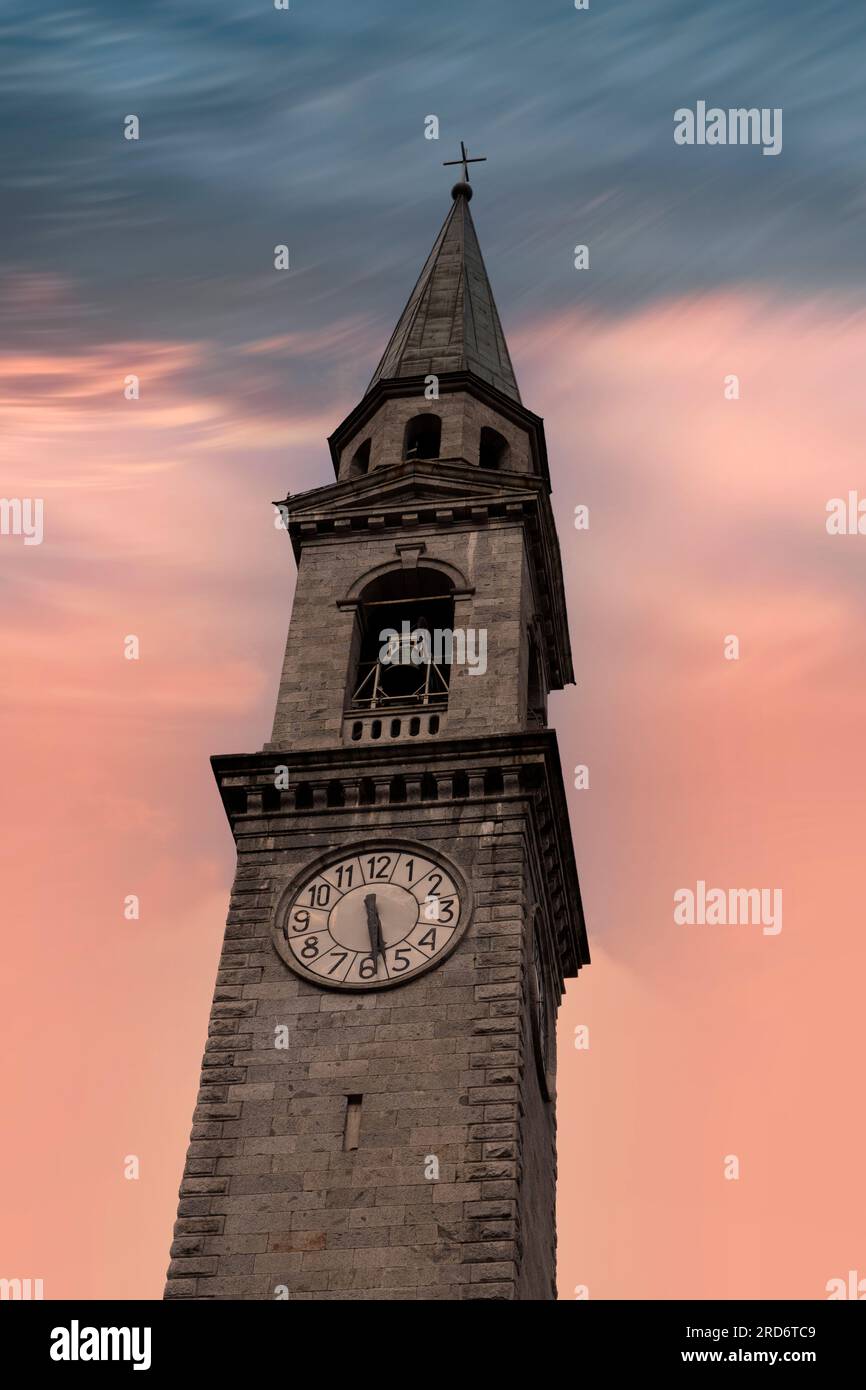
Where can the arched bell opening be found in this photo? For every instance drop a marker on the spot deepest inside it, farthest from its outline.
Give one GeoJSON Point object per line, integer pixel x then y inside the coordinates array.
{"type": "Point", "coordinates": [492, 449]}
{"type": "Point", "coordinates": [423, 437]}
{"type": "Point", "coordinates": [404, 623]}
{"type": "Point", "coordinates": [360, 464]}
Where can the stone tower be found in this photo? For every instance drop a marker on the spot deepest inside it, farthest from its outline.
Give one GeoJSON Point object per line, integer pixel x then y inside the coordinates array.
{"type": "Point", "coordinates": [376, 1117]}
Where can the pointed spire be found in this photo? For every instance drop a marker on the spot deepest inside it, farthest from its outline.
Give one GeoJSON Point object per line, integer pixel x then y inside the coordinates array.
{"type": "Point", "coordinates": [450, 323]}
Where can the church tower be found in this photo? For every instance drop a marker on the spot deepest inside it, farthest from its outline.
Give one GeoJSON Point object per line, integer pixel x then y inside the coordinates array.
{"type": "Point", "coordinates": [376, 1117]}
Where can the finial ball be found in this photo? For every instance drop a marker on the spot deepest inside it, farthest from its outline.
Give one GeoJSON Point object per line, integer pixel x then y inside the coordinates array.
{"type": "Point", "coordinates": [462, 190]}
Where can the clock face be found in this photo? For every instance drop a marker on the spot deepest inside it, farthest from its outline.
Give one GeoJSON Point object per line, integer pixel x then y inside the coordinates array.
{"type": "Point", "coordinates": [372, 917]}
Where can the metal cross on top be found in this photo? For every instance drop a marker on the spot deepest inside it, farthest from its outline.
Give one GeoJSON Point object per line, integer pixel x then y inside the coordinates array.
{"type": "Point", "coordinates": [466, 161]}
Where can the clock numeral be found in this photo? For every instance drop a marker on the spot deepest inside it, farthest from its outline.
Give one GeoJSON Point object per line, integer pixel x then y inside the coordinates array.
{"type": "Point", "coordinates": [429, 939]}
{"type": "Point", "coordinates": [400, 962]}
{"type": "Point", "coordinates": [409, 868]}
{"type": "Point", "coordinates": [378, 867]}
{"type": "Point", "coordinates": [319, 894]}
{"type": "Point", "coordinates": [310, 948]}
{"type": "Point", "coordinates": [300, 919]}
{"type": "Point", "coordinates": [367, 968]}
{"type": "Point", "coordinates": [340, 957]}
{"type": "Point", "coordinates": [345, 874]}
{"type": "Point", "coordinates": [432, 889]}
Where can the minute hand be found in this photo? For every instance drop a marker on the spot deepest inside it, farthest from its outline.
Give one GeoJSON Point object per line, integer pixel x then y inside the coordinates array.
{"type": "Point", "coordinates": [374, 926]}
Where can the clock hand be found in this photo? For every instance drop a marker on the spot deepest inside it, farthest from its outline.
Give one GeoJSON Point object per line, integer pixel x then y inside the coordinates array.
{"type": "Point", "coordinates": [374, 926]}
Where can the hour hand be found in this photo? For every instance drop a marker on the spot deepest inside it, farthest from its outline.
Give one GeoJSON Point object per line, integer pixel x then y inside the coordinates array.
{"type": "Point", "coordinates": [374, 926]}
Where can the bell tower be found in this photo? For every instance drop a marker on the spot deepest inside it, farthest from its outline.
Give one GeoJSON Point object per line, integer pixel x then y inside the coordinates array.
{"type": "Point", "coordinates": [376, 1117]}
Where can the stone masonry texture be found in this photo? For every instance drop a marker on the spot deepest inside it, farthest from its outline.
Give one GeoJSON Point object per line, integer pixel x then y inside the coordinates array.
{"type": "Point", "coordinates": [444, 1066]}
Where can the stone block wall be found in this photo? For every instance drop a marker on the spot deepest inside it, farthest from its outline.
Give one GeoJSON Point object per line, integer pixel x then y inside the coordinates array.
{"type": "Point", "coordinates": [444, 1066]}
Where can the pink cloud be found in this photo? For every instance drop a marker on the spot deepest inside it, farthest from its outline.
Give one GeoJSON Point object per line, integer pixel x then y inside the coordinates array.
{"type": "Point", "coordinates": [706, 518]}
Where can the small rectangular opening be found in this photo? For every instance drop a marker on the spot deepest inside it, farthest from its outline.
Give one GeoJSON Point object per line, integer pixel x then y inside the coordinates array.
{"type": "Point", "coordinates": [352, 1127]}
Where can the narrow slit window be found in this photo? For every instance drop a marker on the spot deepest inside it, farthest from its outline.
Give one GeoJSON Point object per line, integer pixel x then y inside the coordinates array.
{"type": "Point", "coordinates": [352, 1127]}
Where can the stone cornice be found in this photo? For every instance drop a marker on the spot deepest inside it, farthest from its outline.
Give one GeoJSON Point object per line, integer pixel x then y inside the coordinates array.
{"type": "Point", "coordinates": [526, 767]}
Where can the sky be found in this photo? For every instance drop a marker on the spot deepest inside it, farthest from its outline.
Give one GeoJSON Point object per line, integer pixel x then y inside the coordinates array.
{"type": "Point", "coordinates": [155, 257]}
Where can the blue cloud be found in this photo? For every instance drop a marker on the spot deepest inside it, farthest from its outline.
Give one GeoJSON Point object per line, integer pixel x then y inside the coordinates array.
{"type": "Point", "coordinates": [306, 127]}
